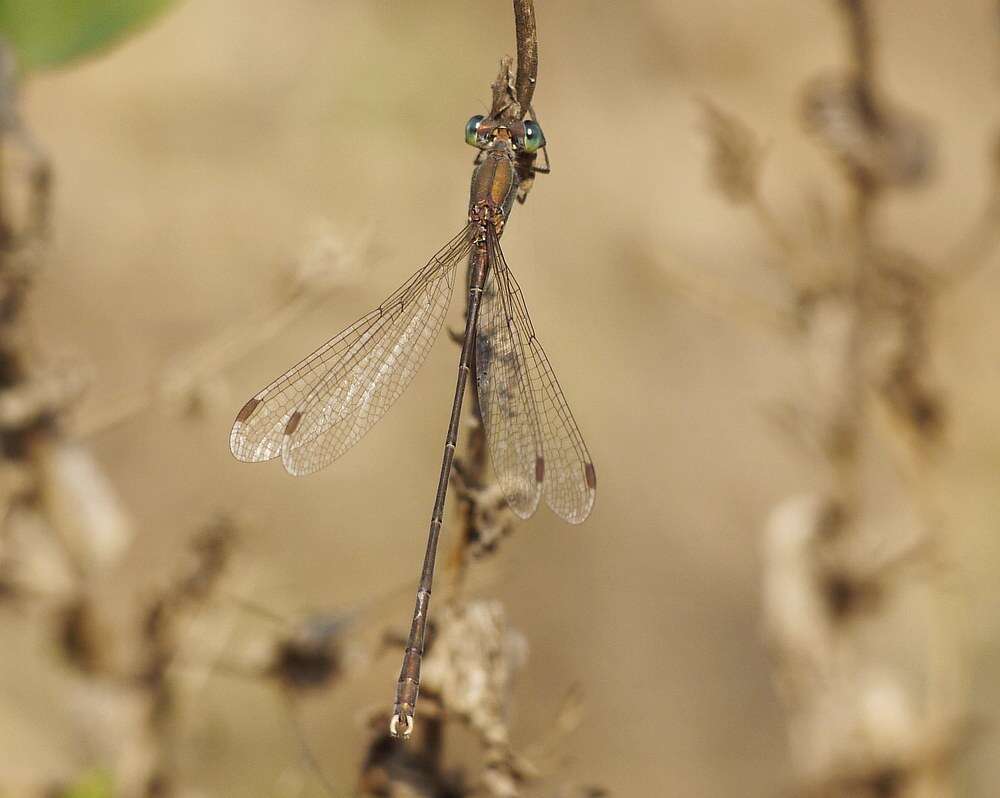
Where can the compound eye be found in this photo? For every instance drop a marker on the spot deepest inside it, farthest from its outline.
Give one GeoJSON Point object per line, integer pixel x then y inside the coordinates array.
{"type": "Point", "coordinates": [534, 139]}
{"type": "Point", "coordinates": [472, 130]}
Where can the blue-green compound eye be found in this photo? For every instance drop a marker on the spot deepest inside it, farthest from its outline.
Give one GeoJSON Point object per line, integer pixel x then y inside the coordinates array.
{"type": "Point", "coordinates": [534, 139]}
{"type": "Point", "coordinates": [472, 129]}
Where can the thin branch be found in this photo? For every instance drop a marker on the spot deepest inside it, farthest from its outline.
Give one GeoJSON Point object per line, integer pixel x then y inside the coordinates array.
{"type": "Point", "coordinates": [181, 382]}
{"type": "Point", "coordinates": [719, 298]}
{"type": "Point", "coordinates": [511, 100]}
{"type": "Point", "coordinates": [527, 53]}
{"type": "Point", "coordinates": [864, 191]}
{"type": "Point", "coordinates": [863, 55]}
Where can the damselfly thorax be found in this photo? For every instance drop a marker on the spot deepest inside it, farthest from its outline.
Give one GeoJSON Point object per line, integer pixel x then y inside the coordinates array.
{"type": "Point", "coordinates": [494, 185]}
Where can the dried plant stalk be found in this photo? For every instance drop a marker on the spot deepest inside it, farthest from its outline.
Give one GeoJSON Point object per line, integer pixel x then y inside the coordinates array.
{"type": "Point", "coordinates": [833, 561]}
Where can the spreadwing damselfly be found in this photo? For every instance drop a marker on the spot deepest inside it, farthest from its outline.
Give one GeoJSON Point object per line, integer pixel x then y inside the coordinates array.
{"type": "Point", "coordinates": [322, 406]}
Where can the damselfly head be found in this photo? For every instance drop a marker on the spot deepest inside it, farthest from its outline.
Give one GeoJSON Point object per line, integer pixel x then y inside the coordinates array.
{"type": "Point", "coordinates": [524, 135]}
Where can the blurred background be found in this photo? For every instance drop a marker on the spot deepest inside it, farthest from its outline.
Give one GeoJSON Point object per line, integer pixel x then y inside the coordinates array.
{"type": "Point", "coordinates": [222, 155]}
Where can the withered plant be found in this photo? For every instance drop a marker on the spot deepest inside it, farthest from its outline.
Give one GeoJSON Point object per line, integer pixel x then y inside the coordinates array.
{"type": "Point", "coordinates": [874, 707]}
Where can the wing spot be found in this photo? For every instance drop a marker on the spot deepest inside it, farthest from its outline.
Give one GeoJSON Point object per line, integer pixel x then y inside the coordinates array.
{"type": "Point", "coordinates": [539, 469]}
{"type": "Point", "coordinates": [591, 476]}
{"type": "Point", "coordinates": [293, 423]}
{"type": "Point", "coordinates": [247, 410]}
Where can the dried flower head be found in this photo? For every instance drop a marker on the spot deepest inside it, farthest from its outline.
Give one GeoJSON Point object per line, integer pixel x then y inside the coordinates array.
{"type": "Point", "coordinates": [884, 146]}
{"type": "Point", "coordinates": [472, 665]}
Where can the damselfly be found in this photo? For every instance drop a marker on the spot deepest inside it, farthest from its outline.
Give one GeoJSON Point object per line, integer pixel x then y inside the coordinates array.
{"type": "Point", "coordinates": [322, 406]}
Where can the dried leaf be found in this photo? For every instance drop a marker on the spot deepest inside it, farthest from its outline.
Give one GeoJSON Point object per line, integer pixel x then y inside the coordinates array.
{"type": "Point", "coordinates": [736, 154]}
{"type": "Point", "coordinates": [83, 506]}
{"type": "Point", "coordinates": [52, 33]}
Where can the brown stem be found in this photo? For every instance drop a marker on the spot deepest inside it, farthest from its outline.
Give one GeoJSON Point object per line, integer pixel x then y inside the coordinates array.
{"type": "Point", "coordinates": [470, 469]}
{"type": "Point", "coordinates": [864, 194]}
{"type": "Point", "coordinates": [863, 55]}
{"type": "Point", "coordinates": [527, 53]}
{"type": "Point", "coordinates": [468, 477]}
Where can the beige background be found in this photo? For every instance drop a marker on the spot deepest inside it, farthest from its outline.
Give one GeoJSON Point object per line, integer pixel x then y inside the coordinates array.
{"type": "Point", "coordinates": [192, 165]}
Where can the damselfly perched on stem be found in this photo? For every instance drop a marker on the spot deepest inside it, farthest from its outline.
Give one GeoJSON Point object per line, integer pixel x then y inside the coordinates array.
{"type": "Point", "coordinates": [322, 406]}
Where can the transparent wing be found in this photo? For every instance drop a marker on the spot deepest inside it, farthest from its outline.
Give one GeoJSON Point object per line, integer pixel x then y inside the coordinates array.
{"type": "Point", "coordinates": [505, 400]}
{"type": "Point", "coordinates": [566, 471]}
{"type": "Point", "coordinates": [348, 401]}
{"type": "Point", "coordinates": [276, 414]}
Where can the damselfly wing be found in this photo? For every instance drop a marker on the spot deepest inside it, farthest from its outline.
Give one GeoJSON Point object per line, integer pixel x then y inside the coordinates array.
{"type": "Point", "coordinates": [320, 407]}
